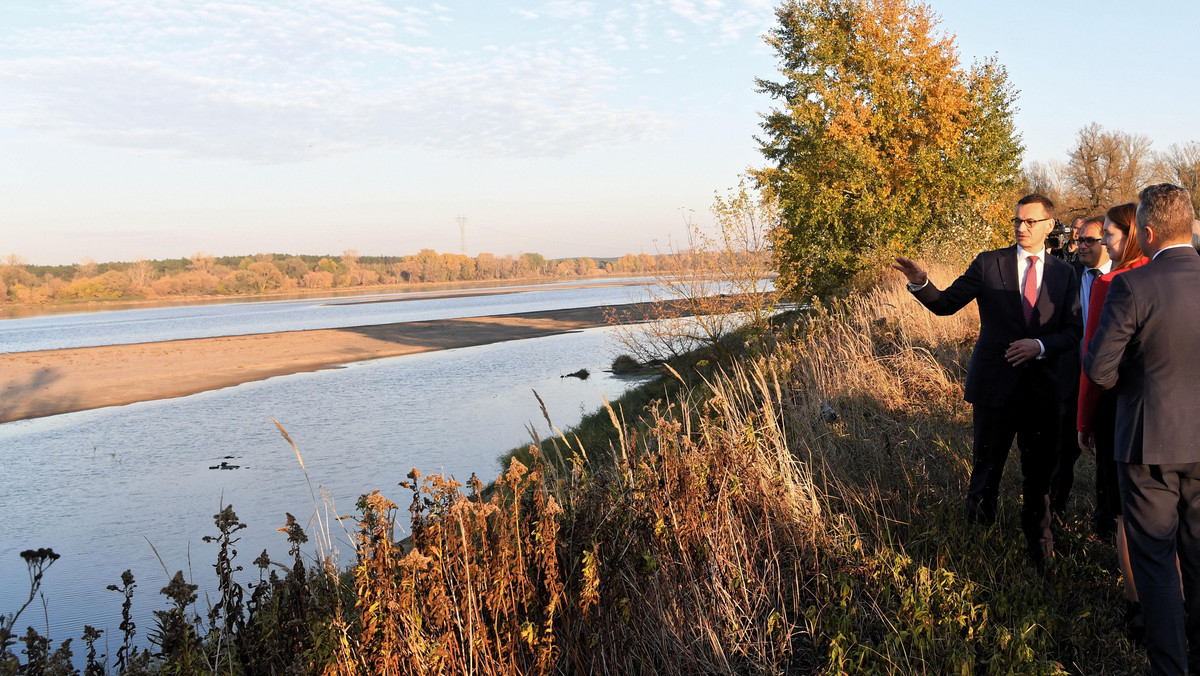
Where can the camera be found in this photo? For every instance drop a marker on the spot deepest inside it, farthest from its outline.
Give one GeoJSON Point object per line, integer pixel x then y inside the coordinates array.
{"type": "Point", "coordinates": [1057, 240]}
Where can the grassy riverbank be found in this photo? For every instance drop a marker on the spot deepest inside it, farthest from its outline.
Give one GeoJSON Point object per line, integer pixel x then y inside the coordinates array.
{"type": "Point", "coordinates": [797, 511]}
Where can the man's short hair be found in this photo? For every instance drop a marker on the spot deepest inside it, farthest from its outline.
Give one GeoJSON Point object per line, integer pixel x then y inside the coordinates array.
{"type": "Point", "coordinates": [1035, 198]}
{"type": "Point", "coordinates": [1168, 209]}
{"type": "Point", "coordinates": [1092, 220]}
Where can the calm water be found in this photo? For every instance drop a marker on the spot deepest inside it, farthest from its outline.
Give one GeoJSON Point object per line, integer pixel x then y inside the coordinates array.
{"type": "Point", "coordinates": [51, 332]}
{"type": "Point", "coordinates": [100, 487]}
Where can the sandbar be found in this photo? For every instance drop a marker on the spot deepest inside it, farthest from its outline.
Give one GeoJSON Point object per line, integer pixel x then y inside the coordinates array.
{"type": "Point", "coordinates": [52, 382]}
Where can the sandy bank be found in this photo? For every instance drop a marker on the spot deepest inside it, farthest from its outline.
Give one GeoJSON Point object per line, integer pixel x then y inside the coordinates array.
{"type": "Point", "coordinates": [36, 384]}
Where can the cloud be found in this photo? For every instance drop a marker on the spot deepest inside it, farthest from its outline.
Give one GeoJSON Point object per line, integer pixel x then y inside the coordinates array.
{"type": "Point", "coordinates": [265, 82]}
{"type": "Point", "coordinates": [688, 10]}
{"type": "Point", "coordinates": [541, 102]}
{"type": "Point", "coordinates": [232, 36]}
{"type": "Point", "coordinates": [569, 10]}
{"type": "Point", "coordinates": [727, 24]}
{"type": "Point", "coordinates": [147, 106]}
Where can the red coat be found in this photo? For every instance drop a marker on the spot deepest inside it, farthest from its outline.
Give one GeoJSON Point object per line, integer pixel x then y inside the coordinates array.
{"type": "Point", "coordinates": [1089, 392]}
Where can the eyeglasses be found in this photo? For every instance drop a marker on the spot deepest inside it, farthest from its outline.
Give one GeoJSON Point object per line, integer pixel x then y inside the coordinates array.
{"type": "Point", "coordinates": [1088, 241]}
{"type": "Point", "coordinates": [1029, 222]}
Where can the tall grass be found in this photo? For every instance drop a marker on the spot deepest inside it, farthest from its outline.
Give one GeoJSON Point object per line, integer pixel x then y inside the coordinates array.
{"type": "Point", "coordinates": [796, 511]}
{"type": "Point", "coordinates": [906, 584]}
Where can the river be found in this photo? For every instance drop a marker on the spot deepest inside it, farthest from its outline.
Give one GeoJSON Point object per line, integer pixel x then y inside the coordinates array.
{"type": "Point", "coordinates": [88, 329]}
{"type": "Point", "coordinates": [120, 487]}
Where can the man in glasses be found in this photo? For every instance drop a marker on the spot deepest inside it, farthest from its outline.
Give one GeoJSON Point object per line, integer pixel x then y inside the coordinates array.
{"type": "Point", "coordinates": [1091, 261]}
{"type": "Point", "coordinates": [1029, 319]}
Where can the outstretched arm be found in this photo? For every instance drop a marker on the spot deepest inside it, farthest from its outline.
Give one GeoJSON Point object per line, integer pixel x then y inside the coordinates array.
{"type": "Point", "coordinates": [942, 302]}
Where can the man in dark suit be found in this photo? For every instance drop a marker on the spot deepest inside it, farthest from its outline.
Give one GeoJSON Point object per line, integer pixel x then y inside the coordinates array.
{"type": "Point", "coordinates": [1029, 318]}
{"type": "Point", "coordinates": [1148, 346]}
{"type": "Point", "coordinates": [1091, 261]}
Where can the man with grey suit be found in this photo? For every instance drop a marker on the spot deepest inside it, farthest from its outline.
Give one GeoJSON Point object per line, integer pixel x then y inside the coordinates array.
{"type": "Point", "coordinates": [1148, 347]}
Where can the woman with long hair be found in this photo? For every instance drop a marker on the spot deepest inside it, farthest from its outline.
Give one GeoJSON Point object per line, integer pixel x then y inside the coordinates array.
{"type": "Point", "coordinates": [1096, 421]}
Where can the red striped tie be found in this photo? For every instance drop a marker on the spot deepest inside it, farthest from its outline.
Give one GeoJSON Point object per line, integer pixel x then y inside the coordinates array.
{"type": "Point", "coordinates": [1029, 289]}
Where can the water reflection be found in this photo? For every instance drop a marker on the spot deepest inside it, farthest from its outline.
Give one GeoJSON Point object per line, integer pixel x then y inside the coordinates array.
{"type": "Point", "coordinates": [100, 486]}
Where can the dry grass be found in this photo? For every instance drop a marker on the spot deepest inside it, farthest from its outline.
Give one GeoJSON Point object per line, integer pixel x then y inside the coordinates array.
{"type": "Point", "coordinates": [741, 529]}
{"type": "Point", "coordinates": [681, 558]}
{"type": "Point", "coordinates": [738, 528]}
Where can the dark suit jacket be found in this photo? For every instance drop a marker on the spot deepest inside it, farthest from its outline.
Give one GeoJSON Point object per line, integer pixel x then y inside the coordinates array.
{"type": "Point", "coordinates": [993, 282]}
{"type": "Point", "coordinates": [1068, 365]}
{"type": "Point", "coordinates": [1148, 341]}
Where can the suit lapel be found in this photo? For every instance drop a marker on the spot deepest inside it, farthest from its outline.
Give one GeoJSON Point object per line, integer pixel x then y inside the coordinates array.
{"type": "Point", "coordinates": [1010, 281]}
{"type": "Point", "coordinates": [1052, 282]}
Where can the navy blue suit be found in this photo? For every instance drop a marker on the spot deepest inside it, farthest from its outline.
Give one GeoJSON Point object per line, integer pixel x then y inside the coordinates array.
{"type": "Point", "coordinates": [1148, 346]}
{"type": "Point", "coordinates": [1015, 401]}
{"type": "Point", "coordinates": [1068, 452]}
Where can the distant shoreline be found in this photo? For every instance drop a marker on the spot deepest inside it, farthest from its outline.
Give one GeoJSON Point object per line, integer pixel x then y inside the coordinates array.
{"type": "Point", "coordinates": [347, 295]}
{"type": "Point", "coordinates": [51, 382]}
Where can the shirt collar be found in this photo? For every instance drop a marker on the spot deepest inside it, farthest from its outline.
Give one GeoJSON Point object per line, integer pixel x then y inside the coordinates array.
{"type": "Point", "coordinates": [1022, 255]}
{"type": "Point", "coordinates": [1103, 269]}
{"type": "Point", "coordinates": [1173, 246]}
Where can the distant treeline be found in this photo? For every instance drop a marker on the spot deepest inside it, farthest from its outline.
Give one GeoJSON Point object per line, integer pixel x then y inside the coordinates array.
{"type": "Point", "coordinates": [205, 275]}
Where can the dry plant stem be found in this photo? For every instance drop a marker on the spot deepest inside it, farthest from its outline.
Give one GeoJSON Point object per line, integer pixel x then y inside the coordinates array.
{"type": "Point", "coordinates": [326, 553]}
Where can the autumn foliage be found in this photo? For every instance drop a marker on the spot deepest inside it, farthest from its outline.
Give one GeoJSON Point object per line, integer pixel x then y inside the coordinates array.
{"type": "Point", "coordinates": [880, 138]}
{"type": "Point", "coordinates": [267, 274]}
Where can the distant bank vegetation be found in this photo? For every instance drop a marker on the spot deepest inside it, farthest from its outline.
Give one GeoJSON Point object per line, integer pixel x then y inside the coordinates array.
{"type": "Point", "coordinates": [205, 275]}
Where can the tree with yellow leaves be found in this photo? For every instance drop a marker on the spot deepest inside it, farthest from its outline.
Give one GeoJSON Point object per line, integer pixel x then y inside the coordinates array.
{"type": "Point", "coordinates": [880, 139]}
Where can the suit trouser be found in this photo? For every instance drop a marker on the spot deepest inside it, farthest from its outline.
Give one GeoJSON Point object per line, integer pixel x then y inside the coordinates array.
{"type": "Point", "coordinates": [1032, 416]}
{"type": "Point", "coordinates": [1161, 505]}
{"type": "Point", "coordinates": [1068, 454]}
{"type": "Point", "coordinates": [1108, 494]}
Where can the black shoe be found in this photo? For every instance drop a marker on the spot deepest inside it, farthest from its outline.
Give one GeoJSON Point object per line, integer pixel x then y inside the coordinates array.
{"type": "Point", "coordinates": [1135, 622]}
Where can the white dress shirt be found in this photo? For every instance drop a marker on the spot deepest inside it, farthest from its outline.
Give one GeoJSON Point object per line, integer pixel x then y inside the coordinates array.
{"type": "Point", "coordinates": [1023, 257]}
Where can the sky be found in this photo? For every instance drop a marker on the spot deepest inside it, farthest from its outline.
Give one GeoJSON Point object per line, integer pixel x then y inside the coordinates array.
{"type": "Point", "coordinates": [162, 128]}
